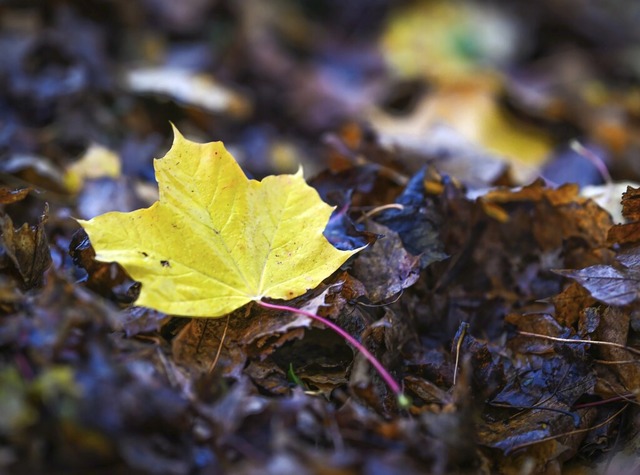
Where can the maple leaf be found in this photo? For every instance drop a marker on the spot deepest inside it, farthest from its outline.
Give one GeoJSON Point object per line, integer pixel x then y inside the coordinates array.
{"type": "Point", "coordinates": [216, 240]}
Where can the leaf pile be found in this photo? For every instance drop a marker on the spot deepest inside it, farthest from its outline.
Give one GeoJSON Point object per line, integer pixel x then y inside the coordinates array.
{"type": "Point", "coordinates": [502, 299]}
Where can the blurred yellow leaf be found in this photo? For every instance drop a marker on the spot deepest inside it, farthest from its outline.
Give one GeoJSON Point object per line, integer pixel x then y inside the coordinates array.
{"type": "Point", "coordinates": [459, 49]}
{"type": "Point", "coordinates": [97, 162]}
{"type": "Point", "coordinates": [216, 240]}
{"type": "Point", "coordinates": [446, 40]}
{"type": "Point", "coordinates": [471, 109]}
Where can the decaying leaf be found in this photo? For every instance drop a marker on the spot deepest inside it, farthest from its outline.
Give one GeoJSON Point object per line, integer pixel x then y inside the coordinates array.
{"type": "Point", "coordinates": [107, 279]}
{"type": "Point", "coordinates": [216, 240]}
{"type": "Point", "coordinates": [617, 284]}
{"type": "Point", "coordinates": [629, 232]}
{"type": "Point", "coordinates": [614, 328]}
{"type": "Point", "coordinates": [387, 253]}
{"type": "Point", "coordinates": [9, 195]}
{"type": "Point", "coordinates": [26, 248]}
{"type": "Point", "coordinates": [417, 223]}
{"type": "Point", "coordinates": [608, 284]}
{"type": "Point", "coordinates": [608, 197]}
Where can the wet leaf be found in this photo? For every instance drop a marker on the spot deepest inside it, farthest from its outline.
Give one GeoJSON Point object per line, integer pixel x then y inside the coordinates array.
{"type": "Point", "coordinates": [608, 284]}
{"type": "Point", "coordinates": [27, 248]}
{"type": "Point", "coordinates": [417, 223]}
{"type": "Point", "coordinates": [374, 266]}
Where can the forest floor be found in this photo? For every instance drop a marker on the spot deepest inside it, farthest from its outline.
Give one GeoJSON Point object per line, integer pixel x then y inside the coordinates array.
{"type": "Point", "coordinates": [485, 152]}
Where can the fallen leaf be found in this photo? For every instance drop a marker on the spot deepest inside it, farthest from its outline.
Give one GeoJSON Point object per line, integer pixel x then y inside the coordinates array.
{"type": "Point", "coordinates": [136, 320]}
{"type": "Point", "coordinates": [27, 248]}
{"type": "Point", "coordinates": [472, 109]}
{"type": "Point", "coordinates": [460, 40]}
{"type": "Point", "coordinates": [629, 232]}
{"type": "Point", "coordinates": [106, 279]}
{"type": "Point", "coordinates": [631, 203]}
{"type": "Point", "coordinates": [570, 304]}
{"type": "Point", "coordinates": [607, 196]}
{"type": "Point", "coordinates": [8, 195]}
{"type": "Point", "coordinates": [387, 268]}
{"type": "Point", "coordinates": [216, 240]}
{"type": "Point", "coordinates": [194, 89]}
{"type": "Point", "coordinates": [97, 162]}
{"type": "Point", "coordinates": [614, 328]}
{"type": "Point", "coordinates": [417, 223]}
{"type": "Point", "coordinates": [36, 170]}
{"type": "Point", "coordinates": [607, 284]}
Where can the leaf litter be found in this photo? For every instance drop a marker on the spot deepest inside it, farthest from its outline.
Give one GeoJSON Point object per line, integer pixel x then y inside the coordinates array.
{"type": "Point", "coordinates": [505, 306]}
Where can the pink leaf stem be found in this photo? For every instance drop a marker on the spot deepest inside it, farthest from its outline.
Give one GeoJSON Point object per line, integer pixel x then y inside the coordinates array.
{"type": "Point", "coordinates": [395, 387]}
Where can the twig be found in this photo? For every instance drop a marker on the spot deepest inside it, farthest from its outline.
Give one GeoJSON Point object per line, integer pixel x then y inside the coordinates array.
{"type": "Point", "coordinates": [620, 362]}
{"type": "Point", "coordinates": [463, 333]}
{"type": "Point", "coordinates": [379, 209]}
{"type": "Point", "coordinates": [213, 364]}
{"type": "Point", "coordinates": [624, 397]}
{"type": "Point", "coordinates": [590, 342]}
{"type": "Point", "coordinates": [384, 304]}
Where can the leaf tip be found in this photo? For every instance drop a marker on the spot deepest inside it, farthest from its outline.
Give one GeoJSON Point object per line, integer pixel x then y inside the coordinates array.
{"type": "Point", "coordinates": [82, 222]}
{"type": "Point", "coordinates": [177, 136]}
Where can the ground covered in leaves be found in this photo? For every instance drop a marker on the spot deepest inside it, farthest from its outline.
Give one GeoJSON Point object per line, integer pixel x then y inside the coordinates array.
{"type": "Point", "coordinates": [500, 283]}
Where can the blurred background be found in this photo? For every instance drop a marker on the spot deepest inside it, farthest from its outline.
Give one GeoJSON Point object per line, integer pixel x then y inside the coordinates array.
{"type": "Point", "coordinates": [489, 91]}
{"type": "Point", "coordinates": [401, 108]}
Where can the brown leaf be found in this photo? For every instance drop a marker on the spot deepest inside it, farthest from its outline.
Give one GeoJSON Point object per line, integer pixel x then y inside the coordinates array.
{"type": "Point", "coordinates": [608, 284]}
{"type": "Point", "coordinates": [529, 429]}
{"type": "Point", "coordinates": [631, 204]}
{"type": "Point", "coordinates": [136, 320]}
{"type": "Point", "coordinates": [251, 333]}
{"type": "Point", "coordinates": [105, 278]}
{"type": "Point", "coordinates": [8, 195]}
{"type": "Point", "coordinates": [624, 233]}
{"type": "Point", "coordinates": [614, 328]}
{"type": "Point", "coordinates": [386, 268]}
{"type": "Point", "coordinates": [196, 345]}
{"type": "Point", "coordinates": [570, 303]}
{"type": "Point", "coordinates": [535, 192]}
{"type": "Point", "coordinates": [628, 233]}
{"type": "Point", "coordinates": [27, 248]}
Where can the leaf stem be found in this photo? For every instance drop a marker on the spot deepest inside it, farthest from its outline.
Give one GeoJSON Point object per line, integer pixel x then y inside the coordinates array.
{"type": "Point", "coordinates": [403, 401]}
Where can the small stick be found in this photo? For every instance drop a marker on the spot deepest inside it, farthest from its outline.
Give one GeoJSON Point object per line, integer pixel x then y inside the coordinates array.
{"type": "Point", "coordinates": [625, 397]}
{"type": "Point", "coordinates": [591, 342]}
{"type": "Point", "coordinates": [379, 209]}
{"type": "Point", "coordinates": [213, 364]}
{"type": "Point", "coordinates": [463, 333]}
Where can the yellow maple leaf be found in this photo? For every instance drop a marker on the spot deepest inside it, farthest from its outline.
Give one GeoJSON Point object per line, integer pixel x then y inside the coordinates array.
{"type": "Point", "coordinates": [216, 240]}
